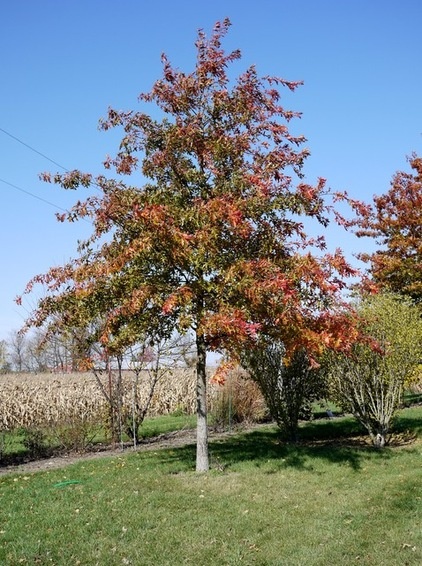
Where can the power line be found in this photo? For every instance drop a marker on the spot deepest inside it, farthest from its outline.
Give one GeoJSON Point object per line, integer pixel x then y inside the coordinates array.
{"type": "Point", "coordinates": [42, 155]}
{"type": "Point", "coordinates": [45, 157]}
{"type": "Point", "coordinates": [56, 206]}
{"type": "Point", "coordinates": [48, 159]}
{"type": "Point", "coordinates": [33, 149]}
{"type": "Point", "coordinates": [32, 195]}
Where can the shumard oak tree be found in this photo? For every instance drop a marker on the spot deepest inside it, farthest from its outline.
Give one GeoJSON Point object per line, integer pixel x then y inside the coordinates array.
{"type": "Point", "coordinates": [213, 242]}
{"type": "Point", "coordinates": [395, 221]}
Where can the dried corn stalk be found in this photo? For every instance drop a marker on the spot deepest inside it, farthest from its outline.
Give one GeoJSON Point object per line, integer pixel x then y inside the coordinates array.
{"type": "Point", "coordinates": [28, 400]}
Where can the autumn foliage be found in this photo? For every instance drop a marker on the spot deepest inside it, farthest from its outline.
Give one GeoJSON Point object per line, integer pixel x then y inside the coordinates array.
{"type": "Point", "coordinates": [370, 382]}
{"type": "Point", "coordinates": [209, 234]}
{"type": "Point", "coordinates": [395, 221]}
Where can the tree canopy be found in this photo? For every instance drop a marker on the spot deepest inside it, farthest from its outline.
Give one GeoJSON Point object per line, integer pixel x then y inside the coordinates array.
{"type": "Point", "coordinates": [213, 240]}
{"type": "Point", "coordinates": [395, 221]}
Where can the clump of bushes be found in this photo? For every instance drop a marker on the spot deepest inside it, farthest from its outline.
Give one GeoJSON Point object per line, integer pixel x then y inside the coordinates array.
{"type": "Point", "coordinates": [238, 400]}
{"type": "Point", "coordinates": [289, 387]}
{"type": "Point", "coordinates": [369, 382]}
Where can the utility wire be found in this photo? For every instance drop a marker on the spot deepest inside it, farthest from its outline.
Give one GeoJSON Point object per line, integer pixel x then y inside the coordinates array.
{"type": "Point", "coordinates": [33, 149]}
{"type": "Point", "coordinates": [32, 195]}
{"type": "Point", "coordinates": [56, 206]}
{"type": "Point", "coordinates": [45, 157]}
{"type": "Point", "coordinates": [48, 159]}
{"type": "Point", "coordinates": [42, 155]}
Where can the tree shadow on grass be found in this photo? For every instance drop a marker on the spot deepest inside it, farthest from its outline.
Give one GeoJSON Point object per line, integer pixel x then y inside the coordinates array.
{"type": "Point", "coordinates": [409, 420]}
{"type": "Point", "coordinates": [262, 448]}
{"type": "Point", "coordinates": [334, 442]}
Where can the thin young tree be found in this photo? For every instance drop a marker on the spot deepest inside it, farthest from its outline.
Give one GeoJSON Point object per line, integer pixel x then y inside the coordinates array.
{"type": "Point", "coordinates": [213, 242]}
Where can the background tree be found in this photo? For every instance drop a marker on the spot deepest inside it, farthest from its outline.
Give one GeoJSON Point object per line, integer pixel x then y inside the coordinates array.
{"type": "Point", "coordinates": [4, 357]}
{"type": "Point", "coordinates": [62, 351]}
{"type": "Point", "coordinates": [395, 221]}
{"type": "Point", "coordinates": [65, 351]}
{"type": "Point", "coordinates": [36, 357]}
{"type": "Point", "coordinates": [214, 241]}
{"type": "Point", "coordinates": [17, 345]}
{"type": "Point", "coordinates": [369, 382]}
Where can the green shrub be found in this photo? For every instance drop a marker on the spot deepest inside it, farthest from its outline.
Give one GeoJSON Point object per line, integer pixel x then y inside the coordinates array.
{"type": "Point", "coordinates": [371, 380]}
{"type": "Point", "coordinates": [36, 442]}
{"type": "Point", "coordinates": [76, 435]}
{"type": "Point", "coordinates": [289, 388]}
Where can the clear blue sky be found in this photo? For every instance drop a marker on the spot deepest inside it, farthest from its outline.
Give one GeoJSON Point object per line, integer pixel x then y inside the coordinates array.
{"type": "Point", "coordinates": [64, 62]}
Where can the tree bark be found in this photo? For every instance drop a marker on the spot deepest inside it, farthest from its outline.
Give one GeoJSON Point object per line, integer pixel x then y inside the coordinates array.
{"type": "Point", "coordinates": [202, 459]}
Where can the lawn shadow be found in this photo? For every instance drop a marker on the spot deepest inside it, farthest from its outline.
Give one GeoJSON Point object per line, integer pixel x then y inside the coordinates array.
{"type": "Point", "coordinates": [334, 442]}
{"type": "Point", "coordinates": [409, 420]}
{"type": "Point", "coordinates": [262, 447]}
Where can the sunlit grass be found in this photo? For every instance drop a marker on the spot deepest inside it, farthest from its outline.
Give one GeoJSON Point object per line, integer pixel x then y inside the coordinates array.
{"type": "Point", "coordinates": [265, 502]}
{"type": "Point", "coordinates": [167, 423]}
{"type": "Point", "coordinates": [14, 450]}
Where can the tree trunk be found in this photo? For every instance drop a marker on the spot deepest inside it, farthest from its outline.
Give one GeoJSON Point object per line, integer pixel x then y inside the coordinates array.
{"type": "Point", "coordinates": [380, 439]}
{"type": "Point", "coordinates": [378, 436]}
{"type": "Point", "coordinates": [202, 461]}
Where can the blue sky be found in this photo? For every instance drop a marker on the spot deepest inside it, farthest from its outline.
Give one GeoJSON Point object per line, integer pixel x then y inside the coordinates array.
{"type": "Point", "coordinates": [63, 62]}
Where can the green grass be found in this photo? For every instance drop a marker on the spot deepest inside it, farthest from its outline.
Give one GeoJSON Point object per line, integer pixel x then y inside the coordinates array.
{"type": "Point", "coordinates": [411, 398]}
{"type": "Point", "coordinates": [13, 449]}
{"type": "Point", "coordinates": [265, 502]}
{"type": "Point", "coordinates": [161, 425]}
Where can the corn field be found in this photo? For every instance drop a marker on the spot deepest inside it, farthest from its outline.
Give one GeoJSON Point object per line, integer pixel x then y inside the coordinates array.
{"type": "Point", "coordinates": [32, 401]}
{"type": "Point", "coordinates": [68, 409]}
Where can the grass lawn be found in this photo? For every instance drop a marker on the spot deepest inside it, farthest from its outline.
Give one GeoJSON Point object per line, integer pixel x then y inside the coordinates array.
{"type": "Point", "coordinates": [265, 502]}
{"type": "Point", "coordinates": [13, 450]}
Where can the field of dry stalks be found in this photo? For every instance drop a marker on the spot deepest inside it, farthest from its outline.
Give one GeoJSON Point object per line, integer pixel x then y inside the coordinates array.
{"type": "Point", "coordinates": [38, 400]}
{"type": "Point", "coordinates": [69, 407]}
